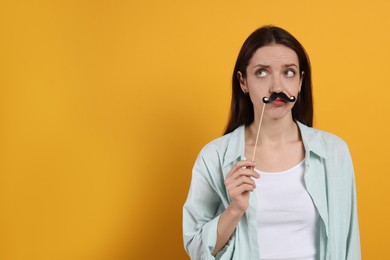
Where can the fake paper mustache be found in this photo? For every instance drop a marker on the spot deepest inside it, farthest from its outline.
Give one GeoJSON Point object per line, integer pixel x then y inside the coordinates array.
{"type": "Point", "coordinates": [280, 95]}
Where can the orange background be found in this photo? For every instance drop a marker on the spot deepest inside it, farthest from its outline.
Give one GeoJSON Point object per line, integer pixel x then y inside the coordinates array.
{"type": "Point", "coordinates": [104, 106]}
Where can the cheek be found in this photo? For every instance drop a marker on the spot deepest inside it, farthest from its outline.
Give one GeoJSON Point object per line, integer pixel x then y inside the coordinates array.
{"type": "Point", "coordinates": [259, 86]}
{"type": "Point", "coordinates": [293, 85]}
{"type": "Point", "coordinates": [257, 98]}
{"type": "Point", "coordinates": [257, 95]}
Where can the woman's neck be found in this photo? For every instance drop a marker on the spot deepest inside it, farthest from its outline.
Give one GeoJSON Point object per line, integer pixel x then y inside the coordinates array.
{"type": "Point", "coordinates": [272, 131]}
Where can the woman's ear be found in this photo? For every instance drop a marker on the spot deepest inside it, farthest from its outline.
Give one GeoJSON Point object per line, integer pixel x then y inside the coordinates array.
{"type": "Point", "coordinates": [242, 81]}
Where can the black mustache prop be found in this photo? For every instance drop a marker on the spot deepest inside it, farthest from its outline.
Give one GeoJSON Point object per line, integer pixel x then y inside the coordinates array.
{"type": "Point", "coordinates": [280, 95]}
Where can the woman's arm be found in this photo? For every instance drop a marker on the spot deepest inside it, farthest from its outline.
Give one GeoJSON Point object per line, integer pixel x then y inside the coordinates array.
{"type": "Point", "coordinates": [238, 185]}
{"type": "Point", "coordinates": [206, 226]}
{"type": "Point", "coordinates": [353, 242]}
{"type": "Point", "coordinates": [226, 225]}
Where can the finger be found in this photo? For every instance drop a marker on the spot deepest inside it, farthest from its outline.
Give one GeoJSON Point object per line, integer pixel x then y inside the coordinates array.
{"type": "Point", "coordinates": [243, 180]}
{"type": "Point", "coordinates": [240, 190]}
{"type": "Point", "coordinates": [236, 179]}
{"type": "Point", "coordinates": [239, 165]}
{"type": "Point", "coordinates": [241, 172]}
{"type": "Point", "coordinates": [245, 172]}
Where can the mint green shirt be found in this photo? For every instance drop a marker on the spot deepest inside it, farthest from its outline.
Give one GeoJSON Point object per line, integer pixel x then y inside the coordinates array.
{"type": "Point", "coordinates": [329, 179]}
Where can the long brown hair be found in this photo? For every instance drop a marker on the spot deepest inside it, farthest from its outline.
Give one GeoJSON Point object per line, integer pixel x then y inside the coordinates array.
{"type": "Point", "coordinates": [241, 108]}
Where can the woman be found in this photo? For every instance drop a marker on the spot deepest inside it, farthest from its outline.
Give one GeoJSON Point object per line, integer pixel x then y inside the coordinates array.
{"type": "Point", "coordinates": [292, 195]}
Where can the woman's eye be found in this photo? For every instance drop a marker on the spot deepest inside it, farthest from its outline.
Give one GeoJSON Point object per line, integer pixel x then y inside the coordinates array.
{"type": "Point", "coordinates": [290, 73]}
{"type": "Point", "coordinates": [261, 73]}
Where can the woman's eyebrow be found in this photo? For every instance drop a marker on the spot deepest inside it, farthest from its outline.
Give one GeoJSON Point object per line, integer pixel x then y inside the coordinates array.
{"type": "Point", "coordinates": [268, 66]}
{"type": "Point", "coordinates": [291, 65]}
{"type": "Point", "coordinates": [261, 66]}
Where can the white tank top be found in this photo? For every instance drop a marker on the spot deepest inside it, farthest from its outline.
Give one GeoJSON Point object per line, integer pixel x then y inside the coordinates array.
{"type": "Point", "coordinates": [287, 218]}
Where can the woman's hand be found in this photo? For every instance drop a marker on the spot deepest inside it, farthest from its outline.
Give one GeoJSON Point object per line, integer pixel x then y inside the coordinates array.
{"type": "Point", "coordinates": [239, 184]}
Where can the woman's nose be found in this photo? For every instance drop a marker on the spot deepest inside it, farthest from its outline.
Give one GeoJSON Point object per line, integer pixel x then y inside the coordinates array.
{"type": "Point", "coordinates": [276, 84]}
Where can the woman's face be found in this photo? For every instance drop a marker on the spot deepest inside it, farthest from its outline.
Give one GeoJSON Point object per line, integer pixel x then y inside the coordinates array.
{"type": "Point", "coordinates": [273, 68]}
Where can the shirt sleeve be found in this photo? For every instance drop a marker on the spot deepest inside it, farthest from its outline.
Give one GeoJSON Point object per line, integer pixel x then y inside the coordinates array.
{"type": "Point", "coordinates": [201, 213]}
{"type": "Point", "coordinates": [353, 241]}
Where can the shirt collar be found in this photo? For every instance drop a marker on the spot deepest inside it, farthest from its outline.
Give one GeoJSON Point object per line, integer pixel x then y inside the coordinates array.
{"type": "Point", "coordinates": [236, 146]}
{"type": "Point", "coordinates": [311, 138]}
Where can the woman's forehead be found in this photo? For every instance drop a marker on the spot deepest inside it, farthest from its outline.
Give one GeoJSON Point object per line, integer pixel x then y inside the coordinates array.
{"type": "Point", "coordinates": [274, 54]}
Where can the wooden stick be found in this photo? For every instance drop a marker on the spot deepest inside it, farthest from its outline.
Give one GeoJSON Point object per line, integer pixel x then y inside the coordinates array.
{"type": "Point", "coordinates": [258, 132]}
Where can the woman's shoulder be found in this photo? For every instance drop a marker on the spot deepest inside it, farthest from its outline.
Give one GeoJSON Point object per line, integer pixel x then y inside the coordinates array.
{"type": "Point", "coordinates": [323, 140]}
{"type": "Point", "coordinates": [330, 137]}
{"type": "Point", "coordinates": [325, 136]}
{"type": "Point", "coordinates": [220, 144]}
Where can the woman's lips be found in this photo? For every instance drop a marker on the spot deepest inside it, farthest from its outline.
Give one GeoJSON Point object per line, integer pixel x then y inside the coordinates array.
{"type": "Point", "coordinates": [278, 102]}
